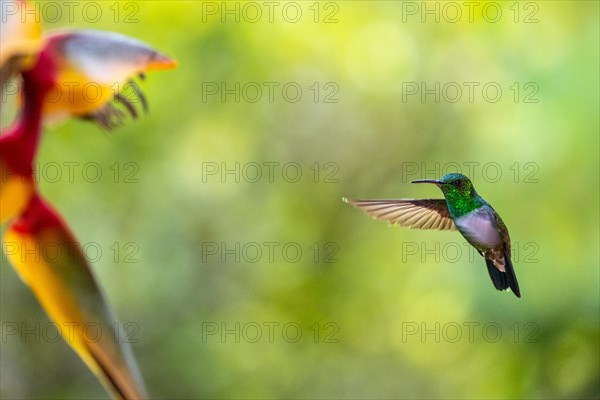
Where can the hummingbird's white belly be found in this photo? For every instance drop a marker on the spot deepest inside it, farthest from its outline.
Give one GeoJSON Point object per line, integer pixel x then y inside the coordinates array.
{"type": "Point", "coordinates": [479, 228]}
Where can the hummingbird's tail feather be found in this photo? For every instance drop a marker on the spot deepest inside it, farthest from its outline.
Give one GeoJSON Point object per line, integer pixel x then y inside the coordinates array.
{"type": "Point", "coordinates": [511, 278]}
{"type": "Point", "coordinates": [503, 280]}
{"type": "Point", "coordinates": [498, 277]}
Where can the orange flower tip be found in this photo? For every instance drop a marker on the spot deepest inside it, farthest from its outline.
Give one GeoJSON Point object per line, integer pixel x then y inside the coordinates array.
{"type": "Point", "coordinates": [161, 62]}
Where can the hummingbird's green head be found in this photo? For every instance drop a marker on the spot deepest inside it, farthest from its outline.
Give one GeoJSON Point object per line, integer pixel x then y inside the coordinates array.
{"type": "Point", "coordinates": [455, 184]}
{"type": "Point", "coordinates": [459, 192]}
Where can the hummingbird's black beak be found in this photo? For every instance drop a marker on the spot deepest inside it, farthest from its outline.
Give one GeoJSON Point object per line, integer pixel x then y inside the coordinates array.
{"type": "Point", "coordinates": [437, 183]}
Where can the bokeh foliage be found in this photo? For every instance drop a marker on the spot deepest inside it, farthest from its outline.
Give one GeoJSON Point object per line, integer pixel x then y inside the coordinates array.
{"type": "Point", "coordinates": [371, 135]}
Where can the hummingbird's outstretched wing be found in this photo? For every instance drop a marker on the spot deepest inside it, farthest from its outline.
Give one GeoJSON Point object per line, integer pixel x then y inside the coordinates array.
{"type": "Point", "coordinates": [50, 261]}
{"type": "Point", "coordinates": [419, 214]}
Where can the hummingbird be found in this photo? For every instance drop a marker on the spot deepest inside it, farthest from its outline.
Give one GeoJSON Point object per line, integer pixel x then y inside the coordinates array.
{"type": "Point", "coordinates": [463, 210]}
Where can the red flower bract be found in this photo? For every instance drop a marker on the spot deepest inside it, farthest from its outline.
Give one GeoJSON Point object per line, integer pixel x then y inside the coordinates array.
{"type": "Point", "coordinates": [66, 62]}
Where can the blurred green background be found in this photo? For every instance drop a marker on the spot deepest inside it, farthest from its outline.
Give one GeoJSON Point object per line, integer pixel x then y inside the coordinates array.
{"type": "Point", "coordinates": [381, 316]}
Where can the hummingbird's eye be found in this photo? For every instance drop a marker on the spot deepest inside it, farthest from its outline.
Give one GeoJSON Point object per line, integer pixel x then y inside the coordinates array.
{"type": "Point", "coordinates": [457, 183]}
